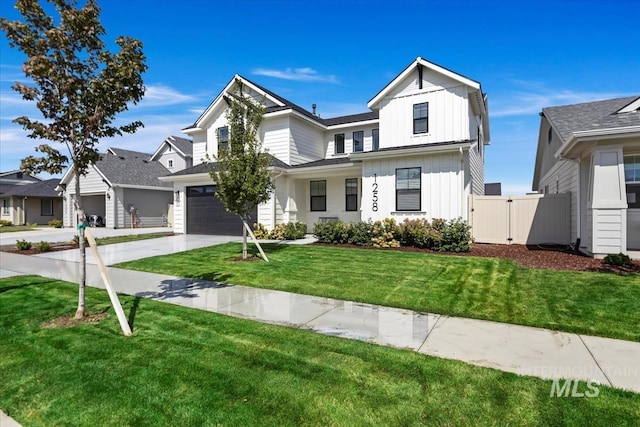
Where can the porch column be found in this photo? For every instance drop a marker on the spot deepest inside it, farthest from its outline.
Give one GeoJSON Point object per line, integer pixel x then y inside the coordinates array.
{"type": "Point", "coordinates": [607, 205]}
{"type": "Point", "coordinates": [290, 209]}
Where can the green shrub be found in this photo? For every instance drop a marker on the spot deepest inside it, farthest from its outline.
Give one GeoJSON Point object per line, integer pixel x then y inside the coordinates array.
{"type": "Point", "coordinates": [55, 223]}
{"type": "Point", "coordinates": [361, 233]}
{"type": "Point", "coordinates": [23, 245]}
{"type": "Point", "coordinates": [260, 231]}
{"type": "Point", "coordinates": [76, 240]}
{"type": "Point", "coordinates": [455, 235]}
{"type": "Point", "coordinates": [385, 234]}
{"type": "Point", "coordinates": [288, 231]}
{"type": "Point", "coordinates": [5, 223]}
{"type": "Point", "coordinates": [43, 246]}
{"type": "Point", "coordinates": [336, 232]}
{"type": "Point", "coordinates": [620, 259]}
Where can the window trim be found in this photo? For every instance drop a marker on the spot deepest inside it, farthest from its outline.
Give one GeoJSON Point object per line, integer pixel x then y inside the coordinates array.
{"type": "Point", "coordinates": [352, 196]}
{"type": "Point", "coordinates": [222, 143]}
{"type": "Point", "coordinates": [169, 163]}
{"type": "Point", "coordinates": [322, 197]}
{"type": "Point", "coordinates": [419, 119]}
{"type": "Point", "coordinates": [416, 190]}
{"type": "Point", "coordinates": [360, 133]}
{"type": "Point", "coordinates": [337, 144]}
{"type": "Point", "coordinates": [375, 142]}
{"type": "Point", "coordinates": [48, 212]}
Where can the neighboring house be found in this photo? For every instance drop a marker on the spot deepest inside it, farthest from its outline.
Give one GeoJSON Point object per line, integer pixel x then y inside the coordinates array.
{"type": "Point", "coordinates": [592, 151]}
{"type": "Point", "coordinates": [123, 188]}
{"type": "Point", "coordinates": [418, 153]}
{"type": "Point", "coordinates": [12, 178]}
{"type": "Point", "coordinates": [36, 202]}
{"type": "Point", "coordinates": [493, 189]}
{"type": "Point", "coordinates": [175, 154]}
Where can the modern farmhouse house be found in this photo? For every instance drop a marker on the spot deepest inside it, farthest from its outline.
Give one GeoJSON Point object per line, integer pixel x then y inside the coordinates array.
{"type": "Point", "coordinates": [592, 151]}
{"type": "Point", "coordinates": [418, 153]}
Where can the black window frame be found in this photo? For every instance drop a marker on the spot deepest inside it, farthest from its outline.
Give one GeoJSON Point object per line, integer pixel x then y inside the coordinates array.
{"type": "Point", "coordinates": [338, 144]}
{"type": "Point", "coordinates": [351, 194]}
{"type": "Point", "coordinates": [318, 194]}
{"type": "Point", "coordinates": [360, 134]}
{"type": "Point", "coordinates": [417, 120]}
{"type": "Point", "coordinates": [49, 212]}
{"type": "Point", "coordinates": [632, 184]}
{"type": "Point", "coordinates": [408, 191]}
{"type": "Point", "coordinates": [375, 139]}
{"type": "Point", "coordinates": [222, 143]}
{"type": "Point", "coordinates": [169, 163]}
{"type": "Point", "coordinates": [549, 135]}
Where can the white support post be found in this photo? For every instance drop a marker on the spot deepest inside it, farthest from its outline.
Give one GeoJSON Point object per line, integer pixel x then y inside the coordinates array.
{"type": "Point", "coordinates": [126, 329]}
{"type": "Point", "coordinates": [253, 237]}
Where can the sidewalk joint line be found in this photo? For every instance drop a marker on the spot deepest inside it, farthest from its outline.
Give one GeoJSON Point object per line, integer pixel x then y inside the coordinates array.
{"type": "Point", "coordinates": [595, 360]}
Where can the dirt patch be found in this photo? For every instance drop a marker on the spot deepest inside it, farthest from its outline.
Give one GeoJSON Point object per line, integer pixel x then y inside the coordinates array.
{"type": "Point", "coordinates": [54, 248]}
{"type": "Point", "coordinates": [546, 257]}
{"type": "Point", "coordinates": [69, 321]}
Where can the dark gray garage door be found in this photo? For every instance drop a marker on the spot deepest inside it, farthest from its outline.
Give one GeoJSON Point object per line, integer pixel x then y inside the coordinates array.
{"type": "Point", "coordinates": [206, 214]}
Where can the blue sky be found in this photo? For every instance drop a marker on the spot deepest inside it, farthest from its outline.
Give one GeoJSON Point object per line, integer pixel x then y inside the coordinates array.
{"type": "Point", "coordinates": [339, 54]}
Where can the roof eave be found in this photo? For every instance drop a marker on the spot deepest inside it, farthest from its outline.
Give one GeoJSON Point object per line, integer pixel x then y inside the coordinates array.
{"type": "Point", "coordinates": [568, 147]}
{"type": "Point", "coordinates": [455, 146]}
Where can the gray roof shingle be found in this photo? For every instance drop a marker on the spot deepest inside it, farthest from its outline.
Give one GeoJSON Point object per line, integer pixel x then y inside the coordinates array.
{"type": "Point", "coordinates": [567, 119]}
{"type": "Point", "coordinates": [133, 168]}
{"type": "Point", "coordinates": [205, 168]}
{"type": "Point", "coordinates": [37, 189]}
{"type": "Point", "coordinates": [182, 144]}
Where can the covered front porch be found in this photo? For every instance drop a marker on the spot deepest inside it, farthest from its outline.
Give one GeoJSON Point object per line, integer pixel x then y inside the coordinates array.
{"type": "Point", "coordinates": [314, 194]}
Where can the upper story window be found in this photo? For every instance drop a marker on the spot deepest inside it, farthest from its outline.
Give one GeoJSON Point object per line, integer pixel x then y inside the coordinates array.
{"type": "Point", "coordinates": [223, 137]}
{"type": "Point", "coordinates": [421, 118]}
{"type": "Point", "coordinates": [549, 135]}
{"type": "Point", "coordinates": [375, 139]}
{"type": "Point", "coordinates": [358, 141]}
{"type": "Point", "coordinates": [338, 140]}
{"type": "Point", "coordinates": [408, 188]}
{"type": "Point", "coordinates": [318, 196]}
{"type": "Point", "coordinates": [170, 163]}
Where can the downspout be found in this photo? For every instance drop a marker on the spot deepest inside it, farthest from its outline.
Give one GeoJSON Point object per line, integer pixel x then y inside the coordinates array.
{"type": "Point", "coordinates": [462, 193]}
{"type": "Point", "coordinates": [24, 212]}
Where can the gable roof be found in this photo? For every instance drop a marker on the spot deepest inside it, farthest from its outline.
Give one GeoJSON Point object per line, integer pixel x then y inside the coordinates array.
{"type": "Point", "coordinates": [37, 189]}
{"type": "Point", "coordinates": [205, 167]}
{"type": "Point", "coordinates": [131, 168]}
{"type": "Point", "coordinates": [127, 168]}
{"type": "Point", "coordinates": [419, 62]}
{"type": "Point", "coordinates": [567, 119]}
{"type": "Point", "coordinates": [183, 146]}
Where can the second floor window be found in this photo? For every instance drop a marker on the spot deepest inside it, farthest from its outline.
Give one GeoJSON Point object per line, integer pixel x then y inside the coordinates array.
{"type": "Point", "coordinates": [169, 163]}
{"type": "Point", "coordinates": [223, 137]}
{"type": "Point", "coordinates": [375, 137]}
{"type": "Point", "coordinates": [421, 118]}
{"type": "Point", "coordinates": [358, 141]}
{"type": "Point", "coordinates": [318, 196]}
{"type": "Point", "coordinates": [338, 140]}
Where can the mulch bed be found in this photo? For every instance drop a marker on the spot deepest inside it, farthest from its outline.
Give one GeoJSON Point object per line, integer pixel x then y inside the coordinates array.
{"type": "Point", "coordinates": [70, 321]}
{"type": "Point", "coordinates": [546, 257]}
{"type": "Point", "coordinates": [54, 248]}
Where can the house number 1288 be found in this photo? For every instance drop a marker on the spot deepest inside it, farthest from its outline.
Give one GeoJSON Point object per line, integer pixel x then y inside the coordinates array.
{"type": "Point", "coordinates": [374, 197]}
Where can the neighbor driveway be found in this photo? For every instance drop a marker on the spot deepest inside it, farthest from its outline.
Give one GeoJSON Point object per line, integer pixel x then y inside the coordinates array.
{"type": "Point", "coordinates": [50, 234]}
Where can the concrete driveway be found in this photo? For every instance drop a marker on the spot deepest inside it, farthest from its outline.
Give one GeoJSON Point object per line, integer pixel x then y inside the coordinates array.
{"type": "Point", "coordinates": [50, 234]}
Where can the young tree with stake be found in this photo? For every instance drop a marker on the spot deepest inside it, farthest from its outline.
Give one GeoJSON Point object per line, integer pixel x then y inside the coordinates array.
{"type": "Point", "coordinates": [78, 86]}
{"type": "Point", "coordinates": [241, 169]}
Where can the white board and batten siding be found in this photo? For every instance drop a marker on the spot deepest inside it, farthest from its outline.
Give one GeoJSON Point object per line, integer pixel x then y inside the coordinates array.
{"type": "Point", "coordinates": [448, 111]}
{"type": "Point", "coordinates": [526, 220]}
{"type": "Point", "coordinates": [276, 137]}
{"type": "Point", "coordinates": [306, 142]}
{"type": "Point", "coordinates": [442, 187]}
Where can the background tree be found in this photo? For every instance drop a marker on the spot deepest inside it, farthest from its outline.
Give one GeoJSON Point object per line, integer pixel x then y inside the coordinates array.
{"type": "Point", "coordinates": [240, 172]}
{"type": "Point", "coordinates": [78, 86]}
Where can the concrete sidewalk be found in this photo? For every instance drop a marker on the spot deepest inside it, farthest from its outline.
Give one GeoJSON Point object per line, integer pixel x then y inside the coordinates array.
{"type": "Point", "coordinates": [518, 349]}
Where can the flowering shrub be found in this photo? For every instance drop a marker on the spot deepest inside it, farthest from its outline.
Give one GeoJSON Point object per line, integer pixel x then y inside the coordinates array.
{"type": "Point", "coordinates": [288, 231]}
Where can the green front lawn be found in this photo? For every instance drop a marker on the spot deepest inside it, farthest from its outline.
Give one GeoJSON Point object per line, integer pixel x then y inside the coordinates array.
{"type": "Point", "coordinates": [599, 304]}
{"type": "Point", "coordinates": [15, 228]}
{"type": "Point", "coordinates": [185, 367]}
{"type": "Point", "coordinates": [102, 241]}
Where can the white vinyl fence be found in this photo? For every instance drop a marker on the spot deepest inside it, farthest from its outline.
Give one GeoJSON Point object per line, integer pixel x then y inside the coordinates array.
{"type": "Point", "coordinates": [527, 220]}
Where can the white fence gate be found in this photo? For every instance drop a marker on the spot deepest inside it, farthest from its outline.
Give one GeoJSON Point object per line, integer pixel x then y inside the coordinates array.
{"type": "Point", "coordinates": [527, 220]}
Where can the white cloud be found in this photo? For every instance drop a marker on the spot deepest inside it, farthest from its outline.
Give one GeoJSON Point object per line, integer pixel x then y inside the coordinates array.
{"type": "Point", "coordinates": [536, 96]}
{"type": "Point", "coordinates": [160, 95]}
{"type": "Point", "coordinates": [304, 74]}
